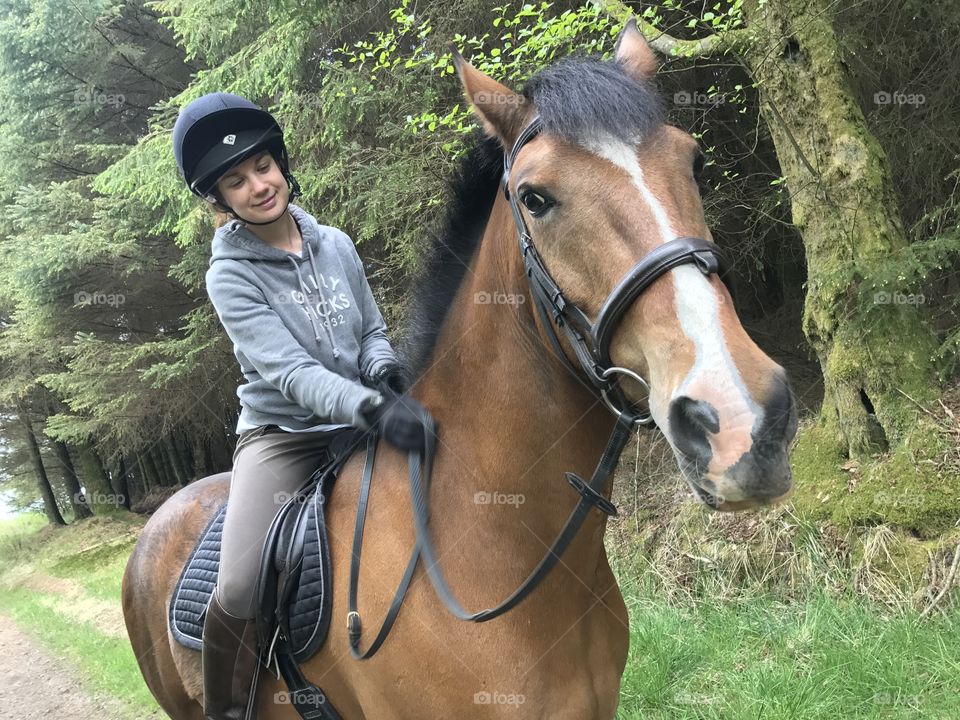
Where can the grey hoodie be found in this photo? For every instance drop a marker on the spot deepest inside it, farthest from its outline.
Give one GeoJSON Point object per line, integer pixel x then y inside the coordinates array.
{"type": "Point", "coordinates": [305, 328]}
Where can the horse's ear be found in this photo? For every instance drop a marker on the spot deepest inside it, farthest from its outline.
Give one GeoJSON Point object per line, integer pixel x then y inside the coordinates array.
{"type": "Point", "coordinates": [634, 53]}
{"type": "Point", "coordinates": [502, 112]}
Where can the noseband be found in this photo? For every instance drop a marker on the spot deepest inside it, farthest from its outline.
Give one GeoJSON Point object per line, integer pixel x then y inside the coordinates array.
{"type": "Point", "coordinates": [591, 343]}
{"type": "Point", "coordinates": [591, 340]}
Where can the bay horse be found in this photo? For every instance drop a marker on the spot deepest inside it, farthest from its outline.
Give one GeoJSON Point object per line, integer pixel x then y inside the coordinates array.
{"type": "Point", "coordinates": [604, 183]}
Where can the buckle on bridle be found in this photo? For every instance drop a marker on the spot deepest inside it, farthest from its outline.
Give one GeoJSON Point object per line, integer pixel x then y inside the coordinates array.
{"type": "Point", "coordinates": [706, 262]}
{"type": "Point", "coordinates": [591, 495]}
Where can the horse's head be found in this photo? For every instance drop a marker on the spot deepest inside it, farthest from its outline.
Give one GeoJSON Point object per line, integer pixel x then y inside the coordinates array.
{"type": "Point", "coordinates": [604, 184]}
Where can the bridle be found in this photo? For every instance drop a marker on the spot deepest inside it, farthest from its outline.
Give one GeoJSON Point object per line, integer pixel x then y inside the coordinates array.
{"type": "Point", "coordinates": [591, 344]}
{"type": "Point", "coordinates": [591, 340]}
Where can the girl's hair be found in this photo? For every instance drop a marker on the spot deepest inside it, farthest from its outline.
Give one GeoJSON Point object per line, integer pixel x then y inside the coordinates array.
{"type": "Point", "coordinates": [220, 218]}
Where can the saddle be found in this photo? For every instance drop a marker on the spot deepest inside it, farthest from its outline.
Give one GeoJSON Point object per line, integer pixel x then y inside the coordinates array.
{"type": "Point", "coordinates": [293, 588]}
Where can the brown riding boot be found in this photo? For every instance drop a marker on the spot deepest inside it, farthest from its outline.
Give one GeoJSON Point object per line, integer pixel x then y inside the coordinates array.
{"type": "Point", "coordinates": [230, 664]}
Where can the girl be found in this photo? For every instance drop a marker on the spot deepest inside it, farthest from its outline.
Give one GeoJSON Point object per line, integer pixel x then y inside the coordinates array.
{"type": "Point", "coordinates": [306, 330]}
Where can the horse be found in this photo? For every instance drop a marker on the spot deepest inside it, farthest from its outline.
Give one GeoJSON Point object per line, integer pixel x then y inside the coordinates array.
{"type": "Point", "coordinates": [604, 182]}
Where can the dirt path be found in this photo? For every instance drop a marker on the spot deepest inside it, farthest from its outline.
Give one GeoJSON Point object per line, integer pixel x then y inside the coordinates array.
{"type": "Point", "coordinates": [36, 684]}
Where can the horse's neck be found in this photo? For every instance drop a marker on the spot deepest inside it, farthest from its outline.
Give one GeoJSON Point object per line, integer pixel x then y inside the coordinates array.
{"type": "Point", "coordinates": [511, 420]}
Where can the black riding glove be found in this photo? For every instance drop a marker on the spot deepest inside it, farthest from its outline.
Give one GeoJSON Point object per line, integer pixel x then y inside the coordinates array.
{"type": "Point", "coordinates": [401, 424]}
{"type": "Point", "coordinates": [398, 418]}
{"type": "Point", "coordinates": [392, 379]}
{"type": "Point", "coordinates": [368, 412]}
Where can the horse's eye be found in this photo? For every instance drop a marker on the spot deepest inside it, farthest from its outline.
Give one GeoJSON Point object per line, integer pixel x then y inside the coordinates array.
{"type": "Point", "coordinates": [534, 202]}
{"type": "Point", "coordinates": [699, 161]}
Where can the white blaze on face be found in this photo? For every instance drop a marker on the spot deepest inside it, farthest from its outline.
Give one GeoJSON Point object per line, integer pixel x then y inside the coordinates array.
{"type": "Point", "coordinates": [713, 377]}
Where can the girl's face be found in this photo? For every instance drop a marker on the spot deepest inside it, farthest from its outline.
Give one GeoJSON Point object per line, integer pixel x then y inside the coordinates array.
{"type": "Point", "coordinates": [255, 189]}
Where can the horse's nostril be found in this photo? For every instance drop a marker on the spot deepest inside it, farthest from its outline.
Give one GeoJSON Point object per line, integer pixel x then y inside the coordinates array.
{"type": "Point", "coordinates": [702, 414]}
{"type": "Point", "coordinates": [690, 421]}
{"type": "Point", "coordinates": [780, 414]}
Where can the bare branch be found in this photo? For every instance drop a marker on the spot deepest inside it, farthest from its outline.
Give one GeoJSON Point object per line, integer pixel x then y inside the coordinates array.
{"type": "Point", "coordinates": [709, 46]}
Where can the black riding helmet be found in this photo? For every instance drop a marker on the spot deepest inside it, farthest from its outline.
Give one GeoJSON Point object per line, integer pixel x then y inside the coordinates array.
{"type": "Point", "coordinates": [217, 132]}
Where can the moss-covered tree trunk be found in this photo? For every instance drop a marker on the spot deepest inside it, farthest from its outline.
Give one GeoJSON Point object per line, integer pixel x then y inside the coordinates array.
{"type": "Point", "coordinates": [100, 495]}
{"type": "Point", "coordinates": [872, 353]}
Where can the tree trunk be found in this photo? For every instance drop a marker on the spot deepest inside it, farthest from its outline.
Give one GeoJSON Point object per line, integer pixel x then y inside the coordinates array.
{"type": "Point", "coordinates": [185, 453]}
{"type": "Point", "coordinates": [143, 476]}
{"type": "Point", "coordinates": [201, 456]}
{"type": "Point", "coordinates": [77, 500]}
{"type": "Point", "coordinates": [46, 491]}
{"type": "Point", "coordinates": [100, 494]}
{"type": "Point", "coordinates": [151, 471]}
{"type": "Point", "coordinates": [221, 454]}
{"type": "Point", "coordinates": [167, 478]}
{"type": "Point", "coordinates": [175, 460]}
{"type": "Point", "coordinates": [843, 203]}
{"type": "Point", "coordinates": [122, 482]}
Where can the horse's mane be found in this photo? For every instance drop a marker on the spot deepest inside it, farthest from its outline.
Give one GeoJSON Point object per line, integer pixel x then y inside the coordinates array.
{"type": "Point", "coordinates": [579, 99]}
{"type": "Point", "coordinates": [471, 194]}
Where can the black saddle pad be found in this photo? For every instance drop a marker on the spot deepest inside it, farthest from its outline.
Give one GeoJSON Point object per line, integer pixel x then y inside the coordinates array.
{"type": "Point", "coordinates": [309, 604]}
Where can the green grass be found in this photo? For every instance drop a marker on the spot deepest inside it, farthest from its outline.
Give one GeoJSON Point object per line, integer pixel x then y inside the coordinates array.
{"type": "Point", "coordinates": [762, 655]}
{"type": "Point", "coordinates": [93, 554]}
{"type": "Point", "coordinates": [106, 662]}
{"type": "Point", "coordinates": [822, 657]}
{"type": "Point", "coordinates": [99, 571]}
{"type": "Point", "coordinates": [18, 531]}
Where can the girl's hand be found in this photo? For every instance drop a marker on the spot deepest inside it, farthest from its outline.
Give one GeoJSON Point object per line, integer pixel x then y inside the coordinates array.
{"type": "Point", "coordinates": [402, 423]}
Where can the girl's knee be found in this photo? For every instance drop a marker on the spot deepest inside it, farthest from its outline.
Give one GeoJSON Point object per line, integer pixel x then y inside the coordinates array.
{"type": "Point", "coordinates": [235, 594]}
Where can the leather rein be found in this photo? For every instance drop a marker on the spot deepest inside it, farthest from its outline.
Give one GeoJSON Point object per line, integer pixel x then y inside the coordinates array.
{"type": "Point", "coordinates": [591, 344]}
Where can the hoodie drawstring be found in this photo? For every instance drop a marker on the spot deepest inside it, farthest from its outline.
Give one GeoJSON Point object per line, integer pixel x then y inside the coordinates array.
{"type": "Point", "coordinates": [311, 313]}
